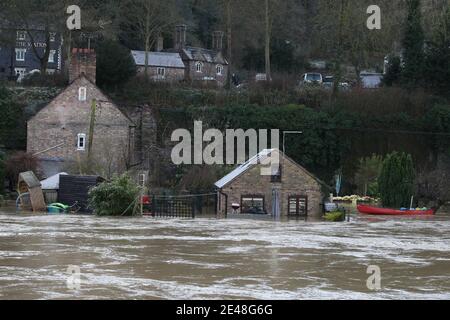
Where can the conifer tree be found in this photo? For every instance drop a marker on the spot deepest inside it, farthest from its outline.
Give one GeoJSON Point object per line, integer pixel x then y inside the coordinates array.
{"type": "Point", "coordinates": [396, 181]}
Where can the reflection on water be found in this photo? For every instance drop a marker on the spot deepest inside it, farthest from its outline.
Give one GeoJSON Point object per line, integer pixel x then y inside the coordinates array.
{"type": "Point", "coordinates": [143, 258]}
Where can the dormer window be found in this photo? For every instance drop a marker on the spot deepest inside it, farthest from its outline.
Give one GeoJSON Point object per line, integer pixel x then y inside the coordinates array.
{"type": "Point", "coordinates": [81, 142]}
{"type": "Point", "coordinates": [219, 69]}
{"type": "Point", "coordinates": [82, 94]}
{"type": "Point", "coordinates": [199, 67]}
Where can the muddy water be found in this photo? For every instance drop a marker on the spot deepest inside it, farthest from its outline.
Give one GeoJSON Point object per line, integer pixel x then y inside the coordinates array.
{"type": "Point", "coordinates": [143, 258]}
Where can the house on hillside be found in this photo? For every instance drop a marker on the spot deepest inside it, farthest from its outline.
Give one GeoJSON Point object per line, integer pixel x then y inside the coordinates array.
{"type": "Point", "coordinates": [17, 55]}
{"type": "Point", "coordinates": [60, 134]}
{"type": "Point", "coordinates": [207, 65]}
{"type": "Point", "coordinates": [162, 66]}
{"type": "Point", "coordinates": [290, 191]}
{"type": "Point", "coordinates": [193, 64]}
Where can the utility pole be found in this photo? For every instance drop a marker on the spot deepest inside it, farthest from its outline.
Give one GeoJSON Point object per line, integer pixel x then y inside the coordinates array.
{"type": "Point", "coordinates": [91, 128]}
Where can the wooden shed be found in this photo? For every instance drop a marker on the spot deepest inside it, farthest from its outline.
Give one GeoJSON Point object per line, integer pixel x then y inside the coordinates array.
{"type": "Point", "coordinates": [28, 183]}
{"type": "Point", "coordinates": [75, 189]}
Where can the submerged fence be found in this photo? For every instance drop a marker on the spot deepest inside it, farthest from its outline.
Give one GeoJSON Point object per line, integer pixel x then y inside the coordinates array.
{"type": "Point", "coordinates": [184, 206]}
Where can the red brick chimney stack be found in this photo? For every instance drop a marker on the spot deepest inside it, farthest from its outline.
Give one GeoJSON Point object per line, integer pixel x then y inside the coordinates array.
{"type": "Point", "coordinates": [83, 62]}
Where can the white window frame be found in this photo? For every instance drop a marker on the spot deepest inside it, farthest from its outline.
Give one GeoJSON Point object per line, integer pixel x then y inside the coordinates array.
{"type": "Point", "coordinates": [20, 71]}
{"type": "Point", "coordinates": [161, 72]}
{"type": "Point", "coordinates": [81, 141]}
{"type": "Point", "coordinates": [219, 69]}
{"type": "Point", "coordinates": [82, 94]}
{"type": "Point", "coordinates": [51, 56]}
{"type": "Point", "coordinates": [199, 67]}
{"type": "Point", "coordinates": [21, 54]}
{"type": "Point", "coordinates": [21, 35]}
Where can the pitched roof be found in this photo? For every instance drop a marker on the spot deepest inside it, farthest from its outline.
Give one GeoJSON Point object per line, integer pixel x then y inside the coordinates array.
{"type": "Point", "coordinates": [97, 88]}
{"type": "Point", "coordinates": [158, 59]}
{"type": "Point", "coordinates": [205, 55]}
{"type": "Point", "coordinates": [259, 159]}
{"type": "Point", "coordinates": [243, 168]}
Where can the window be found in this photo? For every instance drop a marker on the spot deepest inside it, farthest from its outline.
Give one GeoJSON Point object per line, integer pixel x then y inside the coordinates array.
{"type": "Point", "coordinates": [298, 206]}
{"type": "Point", "coordinates": [21, 35]}
{"type": "Point", "coordinates": [252, 205]}
{"type": "Point", "coordinates": [161, 72]}
{"type": "Point", "coordinates": [51, 56]}
{"type": "Point", "coordinates": [52, 36]}
{"type": "Point", "coordinates": [199, 67]}
{"type": "Point", "coordinates": [20, 54]}
{"type": "Point", "coordinates": [20, 72]}
{"type": "Point", "coordinates": [219, 69]}
{"type": "Point", "coordinates": [81, 142]}
{"type": "Point", "coordinates": [82, 94]}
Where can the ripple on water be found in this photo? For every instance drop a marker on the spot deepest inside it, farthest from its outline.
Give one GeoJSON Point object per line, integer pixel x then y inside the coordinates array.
{"type": "Point", "coordinates": [209, 258]}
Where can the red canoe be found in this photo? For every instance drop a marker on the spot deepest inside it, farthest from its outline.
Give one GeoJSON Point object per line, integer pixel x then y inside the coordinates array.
{"type": "Point", "coordinates": [392, 212]}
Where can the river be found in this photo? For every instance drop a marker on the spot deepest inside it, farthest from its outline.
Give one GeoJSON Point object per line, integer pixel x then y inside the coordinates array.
{"type": "Point", "coordinates": [208, 258]}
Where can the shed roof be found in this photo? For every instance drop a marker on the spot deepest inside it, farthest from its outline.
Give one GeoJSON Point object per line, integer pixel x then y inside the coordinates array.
{"type": "Point", "coordinates": [158, 59]}
{"type": "Point", "coordinates": [52, 183]}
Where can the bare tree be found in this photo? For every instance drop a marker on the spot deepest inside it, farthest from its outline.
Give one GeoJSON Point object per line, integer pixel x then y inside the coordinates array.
{"type": "Point", "coordinates": [150, 18]}
{"type": "Point", "coordinates": [36, 18]}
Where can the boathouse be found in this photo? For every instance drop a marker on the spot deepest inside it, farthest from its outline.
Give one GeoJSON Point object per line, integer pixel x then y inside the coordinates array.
{"type": "Point", "coordinates": [289, 191]}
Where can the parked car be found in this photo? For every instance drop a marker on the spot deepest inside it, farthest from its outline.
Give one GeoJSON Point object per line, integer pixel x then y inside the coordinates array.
{"type": "Point", "coordinates": [311, 78]}
{"type": "Point", "coordinates": [371, 80]}
{"type": "Point", "coordinates": [328, 82]}
{"type": "Point", "coordinates": [261, 77]}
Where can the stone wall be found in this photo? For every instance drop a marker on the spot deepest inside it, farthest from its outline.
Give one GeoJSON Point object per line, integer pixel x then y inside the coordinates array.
{"type": "Point", "coordinates": [65, 117]}
{"type": "Point", "coordinates": [209, 70]}
{"type": "Point", "coordinates": [172, 74]}
{"type": "Point", "coordinates": [295, 182]}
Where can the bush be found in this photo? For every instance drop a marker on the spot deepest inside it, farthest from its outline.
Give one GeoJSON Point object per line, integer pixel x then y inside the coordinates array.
{"type": "Point", "coordinates": [45, 80]}
{"type": "Point", "coordinates": [336, 216]}
{"type": "Point", "coordinates": [115, 198]}
{"type": "Point", "coordinates": [11, 121]}
{"type": "Point", "coordinates": [396, 181]}
{"type": "Point", "coordinates": [20, 162]}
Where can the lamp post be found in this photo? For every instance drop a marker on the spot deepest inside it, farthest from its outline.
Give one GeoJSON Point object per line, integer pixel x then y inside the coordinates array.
{"type": "Point", "coordinates": [284, 138]}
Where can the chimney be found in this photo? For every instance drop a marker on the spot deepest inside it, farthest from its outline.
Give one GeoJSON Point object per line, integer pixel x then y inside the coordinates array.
{"type": "Point", "coordinates": [217, 40]}
{"type": "Point", "coordinates": [180, 36]}
{"type": "Point", "coordinates": [160, 44]}
{"type": "Point", "coordinates": [83, 62]}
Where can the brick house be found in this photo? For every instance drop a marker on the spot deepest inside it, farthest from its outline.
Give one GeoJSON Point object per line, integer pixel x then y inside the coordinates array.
{"type": "Point", "coordinates": [206, 65]}
{"type": "Point", "coordinates": [290, 191]}
{"type": "Point", "coordinates": [59, 134]}
{"type": "Point", "coordinates": [162, 66]}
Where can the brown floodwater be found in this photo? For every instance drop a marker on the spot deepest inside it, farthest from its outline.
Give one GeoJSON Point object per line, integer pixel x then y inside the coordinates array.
{"type": "Point", "coordinates": [234, 258]}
